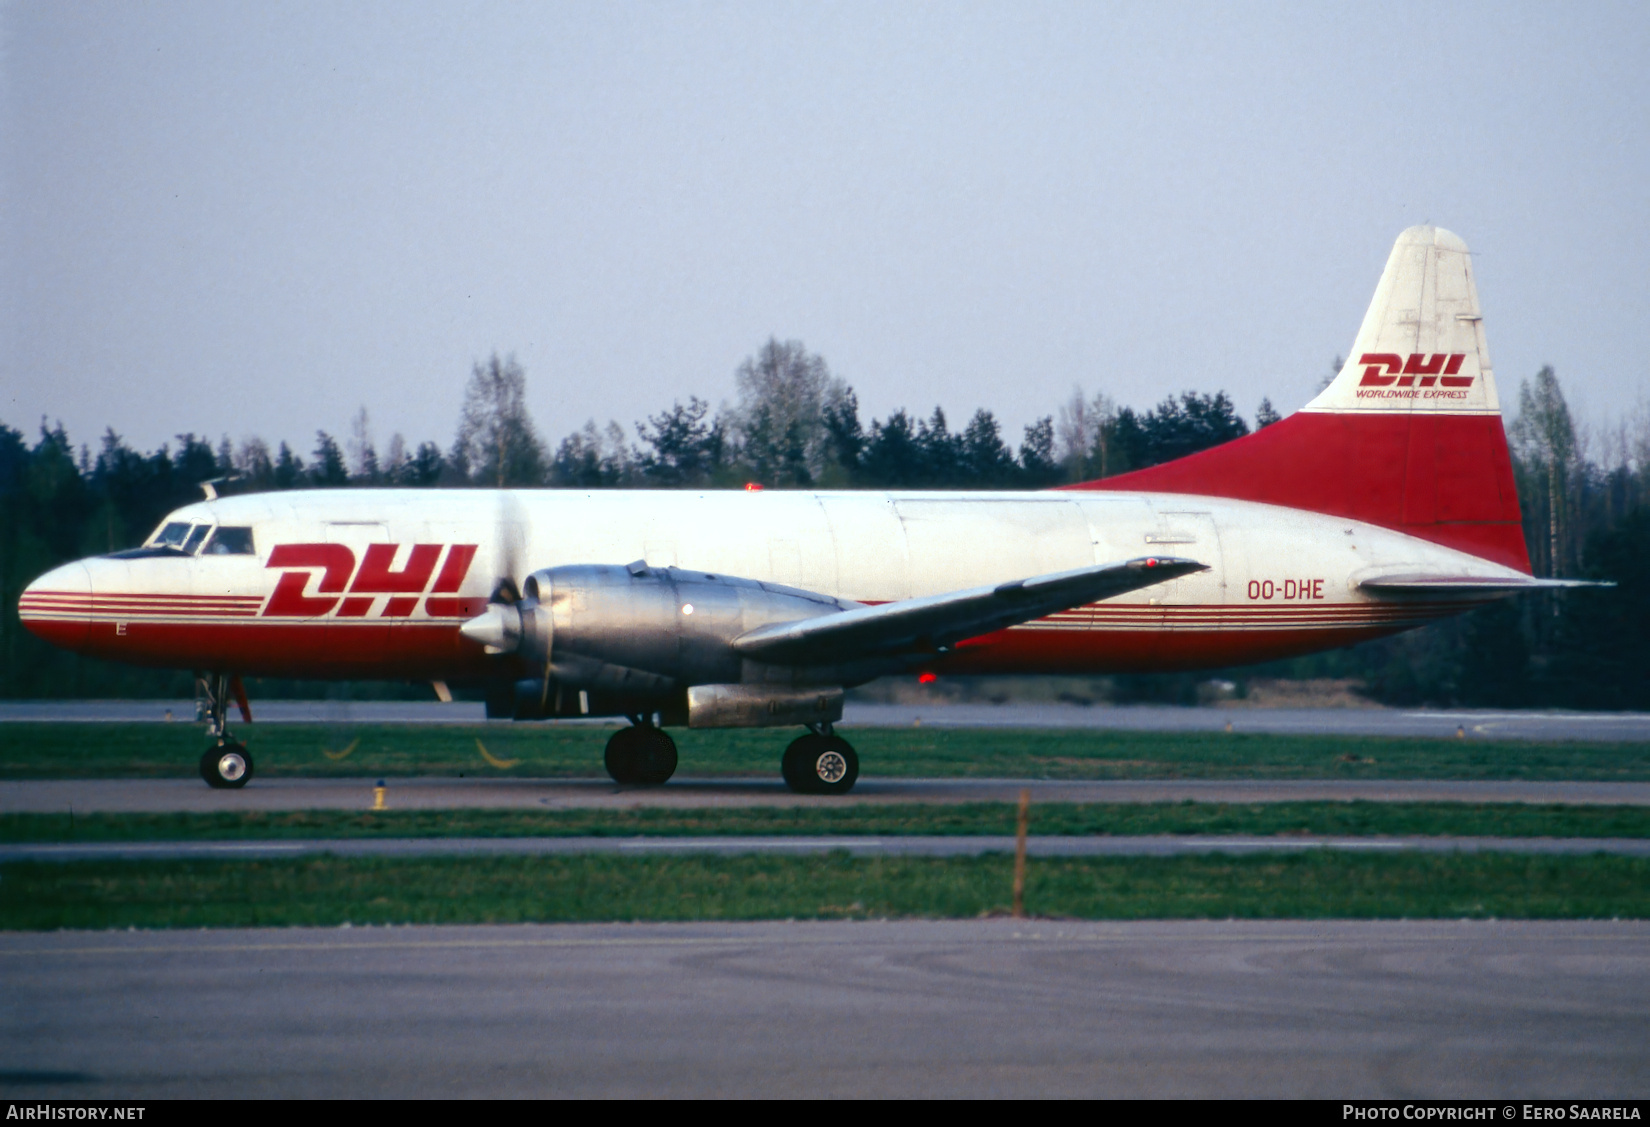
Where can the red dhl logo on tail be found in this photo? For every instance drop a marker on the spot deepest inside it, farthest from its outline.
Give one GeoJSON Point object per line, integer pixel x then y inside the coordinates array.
{"type": "Point", "coordinates": [354, 591]}
{"type": "Point", "coordinates": [1386, 369]}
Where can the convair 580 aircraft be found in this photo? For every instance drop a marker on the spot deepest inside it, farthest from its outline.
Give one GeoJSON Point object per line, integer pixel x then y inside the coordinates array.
{"type": "Point", "coordinates": [1385, 503]}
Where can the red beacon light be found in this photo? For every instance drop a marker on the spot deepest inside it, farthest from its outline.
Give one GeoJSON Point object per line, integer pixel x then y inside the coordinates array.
{"type": "Point", "coordinates": [926, 678]}
{"type": "Point", "coordinates": [753, 487]}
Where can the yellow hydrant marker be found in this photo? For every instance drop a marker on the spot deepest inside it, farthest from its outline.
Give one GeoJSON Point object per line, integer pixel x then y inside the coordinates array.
{"type": "Point", "coordinates": [378, 795]}
{"type": "Point", "coordinates": [1020, 824]}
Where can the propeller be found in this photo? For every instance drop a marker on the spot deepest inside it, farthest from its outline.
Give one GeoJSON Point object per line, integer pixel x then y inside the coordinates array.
{"type": "Point", "coordinates": [498, 627]}
{"type": "Point", "coordinates": [510, 574]}
{"type": "Point", "coordinates": [507, 551]}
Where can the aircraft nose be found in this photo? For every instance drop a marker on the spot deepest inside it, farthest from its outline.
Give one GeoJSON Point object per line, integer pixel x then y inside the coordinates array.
{"type": "Point", "coordinates": [57, 607]}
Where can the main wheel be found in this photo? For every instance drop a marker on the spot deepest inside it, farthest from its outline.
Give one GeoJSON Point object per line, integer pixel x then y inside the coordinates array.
{"type": "Point", "coordinates": [640, 756]}
{"type": "Point", "coordinates": [227, 766]}
{"type": "Point", "coordinates": [820, 765]}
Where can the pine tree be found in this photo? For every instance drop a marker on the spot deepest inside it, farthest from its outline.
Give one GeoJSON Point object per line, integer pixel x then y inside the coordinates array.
{"type": "Point", "coordinates": [329, 469]}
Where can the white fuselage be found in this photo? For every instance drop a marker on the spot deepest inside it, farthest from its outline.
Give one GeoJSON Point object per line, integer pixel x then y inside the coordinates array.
{"type": "Point", "coordinates": [1280, 581]}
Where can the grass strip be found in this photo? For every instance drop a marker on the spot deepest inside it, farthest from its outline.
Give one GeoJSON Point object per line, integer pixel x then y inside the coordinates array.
{"type": "Point", "coordinates": [331, 890]}
{"type": "Point", "coordinates": [345, 749]}
{"type": "Point", "coordinates": [1331, 818]}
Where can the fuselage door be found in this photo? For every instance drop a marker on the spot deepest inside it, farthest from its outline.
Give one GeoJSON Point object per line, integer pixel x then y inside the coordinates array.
{"type": "Point", "coordinates": [1191, 535]}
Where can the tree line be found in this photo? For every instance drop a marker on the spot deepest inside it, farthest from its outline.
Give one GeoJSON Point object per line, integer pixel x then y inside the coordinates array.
{"type": "Point", "coordinates": [794, 424]}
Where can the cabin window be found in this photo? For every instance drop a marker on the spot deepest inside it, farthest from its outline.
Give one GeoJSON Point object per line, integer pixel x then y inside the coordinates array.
{"type": "Point", "coordinates": [230, 542]}
{"type": "Point", "coordinates": [172, 534]}
{"type": "Point", "coordinates": [196, 536]}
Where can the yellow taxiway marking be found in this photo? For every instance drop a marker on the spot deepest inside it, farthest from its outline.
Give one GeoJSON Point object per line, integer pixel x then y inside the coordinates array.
{"type": "Point", "coordinates": [493, 759]}
{"type": "Point", "coordinates": [337, 755]}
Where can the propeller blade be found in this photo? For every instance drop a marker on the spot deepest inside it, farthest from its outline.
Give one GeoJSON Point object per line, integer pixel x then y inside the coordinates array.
{"type": "Point", "coordinates": [507, 563]}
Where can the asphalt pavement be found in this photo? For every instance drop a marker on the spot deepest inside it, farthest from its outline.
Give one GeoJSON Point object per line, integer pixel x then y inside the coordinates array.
{"type": "Point", "coordinates": [975, 1008]}
{"type": "Point", "coordinates": [1142, 845]}
{"type": "Point", "coordinates": [1533, 725]}
{"type": "Point", "coordinates": [59, 796]}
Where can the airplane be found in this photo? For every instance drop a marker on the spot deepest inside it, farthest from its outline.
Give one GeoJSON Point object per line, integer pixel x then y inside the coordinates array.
{"type": "Point", "coordinates": [1385, 503]}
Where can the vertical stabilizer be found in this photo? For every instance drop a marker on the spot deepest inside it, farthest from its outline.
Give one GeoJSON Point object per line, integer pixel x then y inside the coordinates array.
{"type": "Point", "coordinates": [1407, 436]}
{"type": "Point", "coordinates": [1421, 347]}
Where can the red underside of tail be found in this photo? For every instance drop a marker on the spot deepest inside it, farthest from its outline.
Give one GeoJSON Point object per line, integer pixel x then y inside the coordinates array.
{"type": "Point", "coordinates": [1443, 478]}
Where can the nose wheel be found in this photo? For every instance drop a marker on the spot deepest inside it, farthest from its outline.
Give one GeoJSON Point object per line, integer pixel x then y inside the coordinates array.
{"type": "Point", "coordinates": [227, 766]}
{"type": "Point", "coordinates": [820, 763]}
{"type": "Point", "coordinates": [641, 755]}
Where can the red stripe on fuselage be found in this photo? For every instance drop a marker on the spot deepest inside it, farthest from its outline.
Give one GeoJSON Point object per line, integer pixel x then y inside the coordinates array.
{"type": "Point", "coordinates": [358, 648]}
{"type": "Point", "coordinates": [436, 651]}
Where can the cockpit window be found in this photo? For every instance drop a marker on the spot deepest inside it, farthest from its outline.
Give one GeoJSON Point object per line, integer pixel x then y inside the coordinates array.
{"type": "Point", "coordinates": [230, 542]}
{"type": "Point", "coordinates": [172, 534]}
{"type": "Point", "coordinates": [176, 539]}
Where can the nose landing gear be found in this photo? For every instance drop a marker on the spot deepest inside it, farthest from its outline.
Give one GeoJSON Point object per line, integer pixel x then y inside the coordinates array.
{"type": "Point", "coordinates": [227, 765]}
{"type": "Point", "coordinates": [820, 762]}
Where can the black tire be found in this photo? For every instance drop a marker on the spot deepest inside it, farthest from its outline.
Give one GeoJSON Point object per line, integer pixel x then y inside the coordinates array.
{"type": "Point", "coordinates": [640, 757]}
{"type": "Point", "coordinates": [226, 766]}
{"type": "Point", "coordinates": [820, 765]}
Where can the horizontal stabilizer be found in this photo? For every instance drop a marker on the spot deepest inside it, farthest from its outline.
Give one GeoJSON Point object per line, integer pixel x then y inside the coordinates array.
{"type": "Point", "coordinates": [937, 622]}
{"type": "Point", "coordinates": [1422, 584]}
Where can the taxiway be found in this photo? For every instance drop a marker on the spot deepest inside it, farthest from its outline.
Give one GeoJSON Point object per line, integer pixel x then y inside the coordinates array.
{"type": "Point", "coordinates": [1335, 1009]}
{"type": "Point", "coordinates": [893, 845]}
{"type": "Point", "coordinates": [58, 796]}
{"type": "Point", "coordinates": [1471, 723]}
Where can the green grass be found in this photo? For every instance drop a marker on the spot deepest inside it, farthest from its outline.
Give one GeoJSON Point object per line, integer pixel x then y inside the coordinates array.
{"type": "Point", "coordinates": [1394, 818]}
{"type": "Point", "coordinates": [35, 751]}
{"type": "Point", "coordinates": [330, 890]}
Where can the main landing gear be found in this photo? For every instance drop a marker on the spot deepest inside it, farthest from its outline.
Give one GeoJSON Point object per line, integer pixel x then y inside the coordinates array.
{"type": "Point", "coordinates": [820, 762]}
{"type": "Point", "coordinates": [226, 765]}
{"type": "Point", "coordinates": [640, 755]}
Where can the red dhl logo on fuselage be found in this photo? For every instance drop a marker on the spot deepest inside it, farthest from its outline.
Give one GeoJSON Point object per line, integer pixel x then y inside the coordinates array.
{"type": "Point", "coordinates": [354, 591]}
{"type": "Point", "coordinates": [1388, 369]}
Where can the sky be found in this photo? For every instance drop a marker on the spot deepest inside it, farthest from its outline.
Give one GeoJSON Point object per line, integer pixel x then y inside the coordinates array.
{"type": "Point", "coordinates": [256, 218]}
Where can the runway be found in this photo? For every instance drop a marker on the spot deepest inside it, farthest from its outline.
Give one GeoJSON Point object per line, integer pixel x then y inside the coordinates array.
{"type": "Point", "coordinates": [1531, 725]}
{"type": "Point", "coordinates": [904, 845]}
{"type": "Point", "coordinates": [1338, 1009]}
{"type": "Point", "coordinates": [58, 796]}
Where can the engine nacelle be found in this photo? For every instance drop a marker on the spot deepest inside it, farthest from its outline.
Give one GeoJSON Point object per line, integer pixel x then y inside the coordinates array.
{"type": "Point", "coordinates": [648, 632]}
{"type": "Point", "coordinates": [698, 706]}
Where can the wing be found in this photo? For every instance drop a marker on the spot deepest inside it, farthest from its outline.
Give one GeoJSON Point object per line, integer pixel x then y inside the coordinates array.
{"type": "Point", "coordinates": [937, 622]}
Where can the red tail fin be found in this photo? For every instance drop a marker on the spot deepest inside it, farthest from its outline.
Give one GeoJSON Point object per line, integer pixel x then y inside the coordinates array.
{"type": "Point", "coordinates": [1408, 436]}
